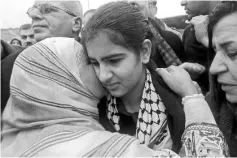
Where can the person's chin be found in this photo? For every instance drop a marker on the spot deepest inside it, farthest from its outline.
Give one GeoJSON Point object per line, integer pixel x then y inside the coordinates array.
{"type": "Point", "coordinates": [41, 36]}
{"type": "Point", "coordinates": [116, 93]}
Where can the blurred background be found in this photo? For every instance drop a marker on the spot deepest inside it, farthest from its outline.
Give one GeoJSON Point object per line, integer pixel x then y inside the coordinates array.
{"type": "Point", "coordinates": [13, 14]}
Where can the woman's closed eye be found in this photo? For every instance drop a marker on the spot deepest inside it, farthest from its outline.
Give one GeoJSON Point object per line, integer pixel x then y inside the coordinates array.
{"type": "Point", "coordinates": [93, 63]}
{"type": "Point", "coordinates": [232, 55]}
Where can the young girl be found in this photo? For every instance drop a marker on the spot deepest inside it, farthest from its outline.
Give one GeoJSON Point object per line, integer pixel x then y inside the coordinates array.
{"type": "Point", "coordinates": [119, 45]}
{"type": "Point", "coordinates": [52, 111]}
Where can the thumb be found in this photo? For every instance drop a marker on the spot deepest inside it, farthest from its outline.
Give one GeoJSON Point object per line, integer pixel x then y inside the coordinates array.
{"type": "Point", "coordinates": [201, 68]}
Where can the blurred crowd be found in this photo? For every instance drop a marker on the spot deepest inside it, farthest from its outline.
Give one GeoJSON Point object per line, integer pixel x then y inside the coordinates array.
{"type": "Point", "coordinates": [118, 81]}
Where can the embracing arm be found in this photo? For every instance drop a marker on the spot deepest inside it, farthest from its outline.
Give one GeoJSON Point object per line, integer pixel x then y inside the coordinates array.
{"type": "Point", "coordinates": [201, 137]}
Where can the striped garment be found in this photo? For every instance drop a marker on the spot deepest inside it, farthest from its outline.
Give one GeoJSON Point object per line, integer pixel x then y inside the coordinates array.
{"type": "Point", "coordinates": [52, 109]}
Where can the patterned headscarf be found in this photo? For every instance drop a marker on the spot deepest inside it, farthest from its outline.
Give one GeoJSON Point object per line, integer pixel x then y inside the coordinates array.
{"type": "Point", "coordinates": [47, 88]}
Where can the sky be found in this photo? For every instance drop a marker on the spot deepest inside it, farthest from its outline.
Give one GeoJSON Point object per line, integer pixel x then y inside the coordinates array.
{"type": "Point", "coordinates": [13, 12]}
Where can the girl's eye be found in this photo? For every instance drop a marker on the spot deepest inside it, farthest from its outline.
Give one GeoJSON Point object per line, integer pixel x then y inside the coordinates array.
{"type": "Point", "coordinates": [114, 61]}
{"type": "Point", "coordinates": [89, 62]}
{"type": "Point", "coordinates": [93, 63]}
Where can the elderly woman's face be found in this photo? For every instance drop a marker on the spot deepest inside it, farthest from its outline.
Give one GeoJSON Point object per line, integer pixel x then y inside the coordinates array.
{"type": "Point", "coordinates": [224, 64]}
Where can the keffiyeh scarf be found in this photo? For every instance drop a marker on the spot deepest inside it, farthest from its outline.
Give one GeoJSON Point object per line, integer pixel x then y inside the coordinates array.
{"type": "Point", "coordinates": [152, 128]}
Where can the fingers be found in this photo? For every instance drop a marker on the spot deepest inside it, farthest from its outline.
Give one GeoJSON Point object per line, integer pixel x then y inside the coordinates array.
{"type": "Point", "coordinates": [168, 73]}
{"type": "Point", "coordinates": [193, 67]}
{"type": "Point", "coordinates": [200, 67]}
{"type": "Point", "coordinates": [163, 73]}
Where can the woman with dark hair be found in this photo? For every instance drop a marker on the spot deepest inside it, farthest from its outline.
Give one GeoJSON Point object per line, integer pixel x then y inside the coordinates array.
{"type": "Point", "coordinates": [118, 42]}
{"type": "Point", "coordinates": [222, 34]}
{"type": "Point", "coordinates": [222, 98]}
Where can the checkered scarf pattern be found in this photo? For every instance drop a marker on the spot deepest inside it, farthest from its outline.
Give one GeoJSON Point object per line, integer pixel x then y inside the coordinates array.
{"type": "Point", "coordinates": [167, 53]}
{"type": "Point", "coordinates": [152, 125]}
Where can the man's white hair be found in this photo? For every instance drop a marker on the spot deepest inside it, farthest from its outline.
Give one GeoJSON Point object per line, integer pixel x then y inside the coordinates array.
{"type": "Point", "coordinates": [74, 6]}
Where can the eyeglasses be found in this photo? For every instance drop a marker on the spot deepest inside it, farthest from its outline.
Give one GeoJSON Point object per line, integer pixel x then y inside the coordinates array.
{"type": "Point", "coordinates": [47, 9]}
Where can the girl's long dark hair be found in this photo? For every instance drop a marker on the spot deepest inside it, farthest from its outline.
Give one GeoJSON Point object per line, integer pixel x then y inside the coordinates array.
{"type": "Point", "coordinates": [123, 23]}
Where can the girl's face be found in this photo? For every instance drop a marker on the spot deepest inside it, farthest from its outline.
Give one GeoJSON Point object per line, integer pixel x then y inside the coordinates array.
{"type": "Point", "coordinates": [119, 70]}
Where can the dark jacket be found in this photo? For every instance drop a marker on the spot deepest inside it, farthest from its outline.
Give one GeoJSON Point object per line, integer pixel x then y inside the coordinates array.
{"type": "Point", "coordinates": [172, 102]}
{"type": "Point", "coordinates": [173, 40]}
{"type": "Point", "coordinates": [196, 53]}
{"type": "Point", "coordinates": [8, 49]}
{"type": "Point", "coordinates": [6, 71]}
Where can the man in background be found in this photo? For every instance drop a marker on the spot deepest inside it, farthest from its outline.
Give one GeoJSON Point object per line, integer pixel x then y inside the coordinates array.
{"type": "Point", "coordinates": [168, 46]}
{"type": "Point", "coordinates": [49, 19]}
{"type": "Point", "coordinates": [152, 14]}
{"type": "Point", "coordinates": [195, 8]}
{"type": "Point", "coordinates": [195, 51]}
{"type": "Point", "coordinates": [153, 11]}
{"type": "Point", "coordinates": [27, 35]}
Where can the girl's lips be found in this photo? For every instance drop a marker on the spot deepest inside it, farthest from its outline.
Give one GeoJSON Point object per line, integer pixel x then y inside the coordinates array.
{"type": "Point", "coordinates": [111, 86]}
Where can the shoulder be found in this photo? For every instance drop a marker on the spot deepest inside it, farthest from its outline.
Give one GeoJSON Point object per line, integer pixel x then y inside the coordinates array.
{"type": "Point", "coordinates": [169, 98]}
{"type": "Point", "coordinates": [8, 49]}
{"type": "Point", "coordinates": [8, 62]}
{"type": "Point", "coordinates": [169, 35]}
{"type": "Point", "coordinates": [160, 23]}
{"type": "Point", "coordinates": [175, 43]}
{"type": "Point", "coordinates": [103, 119]}
{"type": "Point", "coordinates": [188, 29]}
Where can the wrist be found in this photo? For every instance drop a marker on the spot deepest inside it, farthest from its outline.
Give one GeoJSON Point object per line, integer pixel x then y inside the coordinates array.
{"type": "Point", "coordinates": [191, 97]}
{"type": "Point", "coordinates": [190, 92]}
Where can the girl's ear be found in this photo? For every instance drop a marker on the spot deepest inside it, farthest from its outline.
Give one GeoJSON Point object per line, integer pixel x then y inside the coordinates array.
{"type": "Point", "coordinates": [145, 52]}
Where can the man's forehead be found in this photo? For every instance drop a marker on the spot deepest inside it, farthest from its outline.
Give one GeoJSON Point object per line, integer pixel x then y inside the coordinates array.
{"type": "Point", "coordinates": [139, 1]}
{"type": "Point", "coordinates": [27, 31]}
{"type": "Point", "coordinates": [50, 2]}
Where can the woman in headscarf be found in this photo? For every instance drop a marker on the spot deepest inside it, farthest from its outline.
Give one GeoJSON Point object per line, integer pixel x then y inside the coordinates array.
{"type": "Point", "coordinates": [221, 38]}
{"type": "Point", "coordinates": [52, 110]}
{"type": "Point", "coordinates": [222, 28]}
